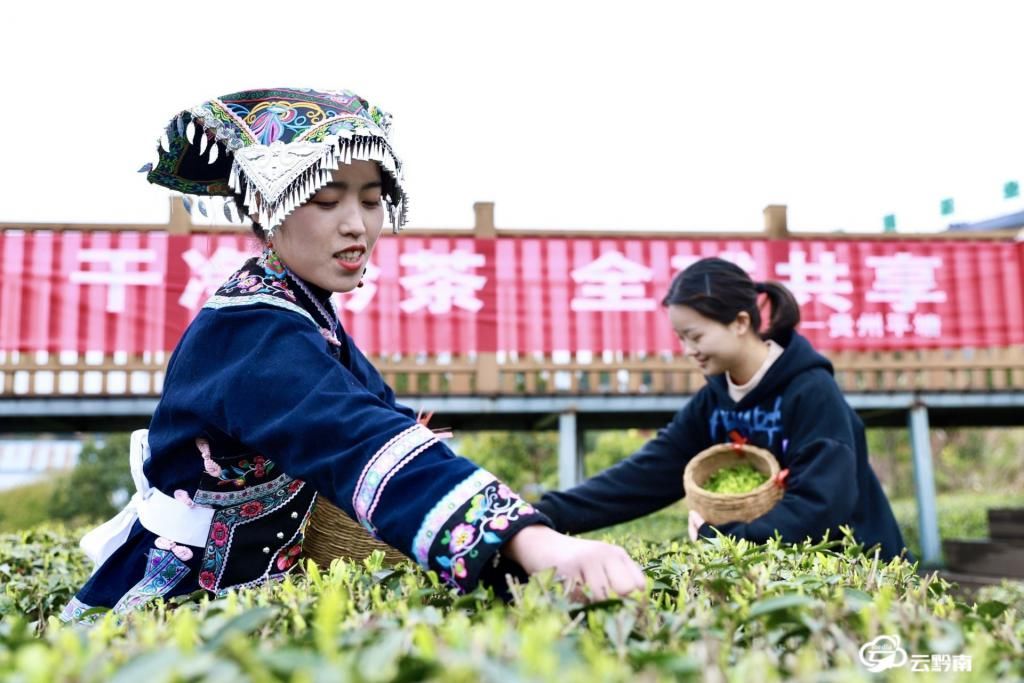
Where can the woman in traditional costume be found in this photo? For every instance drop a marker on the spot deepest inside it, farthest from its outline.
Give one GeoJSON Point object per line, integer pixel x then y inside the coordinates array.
{"type": "Point", "coordinates": [268, 404]}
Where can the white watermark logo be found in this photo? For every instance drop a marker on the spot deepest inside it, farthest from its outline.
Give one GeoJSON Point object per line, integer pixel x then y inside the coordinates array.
{"type": "Point", "coordinates": [884, 652]}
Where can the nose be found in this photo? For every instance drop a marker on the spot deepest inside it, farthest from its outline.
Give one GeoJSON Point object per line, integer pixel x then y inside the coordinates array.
{"type": "Point", "coordinates": [350, 218]}
{"type": "Point", "coordinates": [688, 348]}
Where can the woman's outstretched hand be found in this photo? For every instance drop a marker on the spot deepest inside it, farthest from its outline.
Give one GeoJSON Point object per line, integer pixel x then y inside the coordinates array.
{"type": "Point", "coordinates": [696, 522]}
{"type": "Point", "coordinates": [604, 568]}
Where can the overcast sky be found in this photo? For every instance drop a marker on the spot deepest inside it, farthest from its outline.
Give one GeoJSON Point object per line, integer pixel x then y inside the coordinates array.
{"type": "Point", "coordinates": [568, 115]}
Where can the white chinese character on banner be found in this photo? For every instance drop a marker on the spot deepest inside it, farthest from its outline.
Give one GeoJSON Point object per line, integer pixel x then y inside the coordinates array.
{"type": "Point", "coordinates": [827, 279]}
{"type": "Point", "coordinates": [898, 324]}
{"type": "Point", "coordinates": [743, 259]}
{"type": "Point", "coordinates": [441, 281]}
{"type": "Point", "coordinates": [870, 325]}
{"type": "Point", "coordinates": [613, 283]}
{"type": "Point", "coordinates": [118, 278]}
{"type": "Point", "coordinates": [359, 298]}
{"type": "Point", "coordinates": [904, 280]}
{"type": "Point", "coordinates": [928, 325]}
{"type": "Point", "coordinates": [961, 662]}
{"type": "Point", "coordinates": [840, 325]}
{"type": "Point", "coordinates": [206, 275]}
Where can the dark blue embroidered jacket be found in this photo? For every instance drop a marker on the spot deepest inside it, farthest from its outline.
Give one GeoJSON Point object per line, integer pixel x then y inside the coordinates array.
{"type": "Point", "coordinates": [259, 414]}
{"type": "Point", "coordinates": [798, 413]}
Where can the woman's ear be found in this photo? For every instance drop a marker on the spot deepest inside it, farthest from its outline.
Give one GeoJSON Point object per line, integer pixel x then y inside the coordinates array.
{"type": "Point", "coordinates": [741, 325]}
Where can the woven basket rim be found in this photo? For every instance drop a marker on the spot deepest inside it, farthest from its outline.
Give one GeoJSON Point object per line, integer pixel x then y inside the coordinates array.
{"type": "Point", "coordinates": [773, 465]}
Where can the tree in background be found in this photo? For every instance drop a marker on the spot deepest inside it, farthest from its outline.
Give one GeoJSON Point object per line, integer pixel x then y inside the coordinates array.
{"type": "Point", "coordinates": [606, 448]}
{"type": "Point", "coordinates": [965, 460]}
{"type": "Point", "coordinates": [526, 461]}
{"type": "Point", "coordinates": [100, 483]}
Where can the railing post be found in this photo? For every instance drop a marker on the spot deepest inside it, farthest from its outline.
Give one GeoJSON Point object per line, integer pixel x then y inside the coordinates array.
{"type": "Point", "coordinates": [570, 451]}
{"type": "Point", "coordinates": [180, 222]}
{"type": "Point", "coordinates": [488, 380]}
{"type": "Point", "coordinates": [483, 225]}
{"type": "Point", "coordinates": [924, 486]}
{"type": "Point", "coordinates": [776, 225]}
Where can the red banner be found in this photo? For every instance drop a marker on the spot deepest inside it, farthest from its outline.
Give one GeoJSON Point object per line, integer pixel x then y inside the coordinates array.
{"type": "Point", "coordinates": [135, 292]}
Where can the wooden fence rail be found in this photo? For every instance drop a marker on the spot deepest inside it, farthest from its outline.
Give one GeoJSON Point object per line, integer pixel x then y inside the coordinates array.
{"type": "Point", "coordinates": [962, 370]}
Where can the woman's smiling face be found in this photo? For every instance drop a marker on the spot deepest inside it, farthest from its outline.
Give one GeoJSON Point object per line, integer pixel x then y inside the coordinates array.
{"type": "Point", "coordinates": [328, 240]}
{"type": "Point", "coordinates": [714, 347]}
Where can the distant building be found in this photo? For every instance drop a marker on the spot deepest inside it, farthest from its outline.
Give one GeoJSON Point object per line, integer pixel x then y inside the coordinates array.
{"type": "Point", "coordinates": [1013, 221]}
{"type": "Point", "coordinates": [23, 461]}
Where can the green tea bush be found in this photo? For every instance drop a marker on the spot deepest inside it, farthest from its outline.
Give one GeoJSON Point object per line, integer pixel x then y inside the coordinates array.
{"type": "Point", "coordinates": [716, 610]}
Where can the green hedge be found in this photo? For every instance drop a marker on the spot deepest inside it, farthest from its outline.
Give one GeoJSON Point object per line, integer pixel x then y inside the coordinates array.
{"type": "Point", "coordinates": [961, 515]}
{"type": "Point", "coordinates": [29, 505]}
{"type": "Point", "coordinates": [716, 610]}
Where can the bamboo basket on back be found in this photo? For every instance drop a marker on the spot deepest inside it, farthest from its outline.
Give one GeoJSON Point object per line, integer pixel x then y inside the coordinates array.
{"type": "Point", "coordinates": [719, 508]}
{"type": "Point", "coordinates": [332, 534]}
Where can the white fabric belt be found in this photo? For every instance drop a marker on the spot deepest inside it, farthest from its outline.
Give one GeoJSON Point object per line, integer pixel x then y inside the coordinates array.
{"type": "Point", "coordinates": [159, 513]}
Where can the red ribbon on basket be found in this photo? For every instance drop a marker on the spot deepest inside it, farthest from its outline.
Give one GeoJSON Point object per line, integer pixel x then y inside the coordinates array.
{"type": "Point", "coordinates": [738, 441]}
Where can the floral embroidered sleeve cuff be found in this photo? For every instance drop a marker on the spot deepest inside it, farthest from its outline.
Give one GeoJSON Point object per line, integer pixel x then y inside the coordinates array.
{"type": "Point", "coordinates": [460, 536]}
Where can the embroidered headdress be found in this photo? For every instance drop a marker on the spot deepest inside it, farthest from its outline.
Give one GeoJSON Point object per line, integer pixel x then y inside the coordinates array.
{"type": "Point", "coordinates": [275, 148]}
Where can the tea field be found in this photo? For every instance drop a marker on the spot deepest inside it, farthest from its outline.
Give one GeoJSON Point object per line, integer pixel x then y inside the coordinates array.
{"type": "Point", "coordinates": [714, 611]}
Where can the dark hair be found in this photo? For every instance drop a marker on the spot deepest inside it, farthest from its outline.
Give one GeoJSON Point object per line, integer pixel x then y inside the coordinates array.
{"type": "Point", "coordinates": [389, 190]}
{"type": "Point", "coordinates": [721, 290]}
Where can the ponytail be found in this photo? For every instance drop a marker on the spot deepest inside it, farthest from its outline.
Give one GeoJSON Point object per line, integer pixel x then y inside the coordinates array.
{"type": "Point", "coordinates": [785, 314]}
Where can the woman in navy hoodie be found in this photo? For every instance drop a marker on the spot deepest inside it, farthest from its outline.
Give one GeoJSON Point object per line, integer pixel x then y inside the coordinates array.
{"type": "Point", "coordinates": [770, 389]}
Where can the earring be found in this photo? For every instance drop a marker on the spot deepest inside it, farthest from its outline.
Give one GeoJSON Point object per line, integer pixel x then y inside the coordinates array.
{"type": "Point", "coordinates": [270, 261]}
{"type": "Point", "coordinates": [361, 278]}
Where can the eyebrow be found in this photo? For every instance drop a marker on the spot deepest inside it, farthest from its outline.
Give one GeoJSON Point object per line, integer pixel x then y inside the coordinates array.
{"type": "Point", "coordinates": [337, 185]}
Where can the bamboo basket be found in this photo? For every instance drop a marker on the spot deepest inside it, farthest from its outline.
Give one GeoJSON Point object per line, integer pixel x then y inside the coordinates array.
{"type": "Point", "coordinates": [719, 508]}
{"type": "Point", "coordinates": [332, 534]}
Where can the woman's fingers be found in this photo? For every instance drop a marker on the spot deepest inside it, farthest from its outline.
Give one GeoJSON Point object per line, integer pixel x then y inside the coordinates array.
{"type": "Point", "coordinates": [613, 571]}
{"type": "Point", "coordinates": [695, 523]}
{"type": "Point", "coordinates": [590, 569]}
{"type": "Point", "coordinates": [625, 577]}
{"type": "Point", "coordinates": [596, 580]}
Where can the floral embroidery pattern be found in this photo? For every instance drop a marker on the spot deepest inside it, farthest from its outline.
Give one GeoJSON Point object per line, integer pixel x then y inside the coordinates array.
{"type": "Point", "coordinates": [492, 507]}
{"type": "Point", "coordinates": [391, 456]}
{"type": "Point", "coordinates": [251, 509]}
{"type": "Point", "coordinates": [287, 558]}
{"type": "Point", "coordinates": [234, 474]}
{"type": "Point", "coordinates": [490, 510]}
{"type": "Point", "coordinates": [72, 612]}
{"type": "Point", "coordinates": [261, 280]}
{"type": "Point", "coordinates": [440, 514]}
{"type": "Point", "coordinates": [163, 572]}
{"type": "Point", "coordinates": [219, 533]}
{"type": "Point", "coordinates": [208, 580]}
{"type": "Point", "coordinates": [220, 498]}
{"type": "Point", "coordinates": [225, 519]}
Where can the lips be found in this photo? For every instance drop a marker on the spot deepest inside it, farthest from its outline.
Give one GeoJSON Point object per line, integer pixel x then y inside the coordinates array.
{"type": "Point", "coordinates": [350, 258]}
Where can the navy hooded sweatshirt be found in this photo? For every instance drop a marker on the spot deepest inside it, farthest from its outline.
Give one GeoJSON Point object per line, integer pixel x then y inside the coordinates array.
{"type": "Point", "coordinates": [799, 414]}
